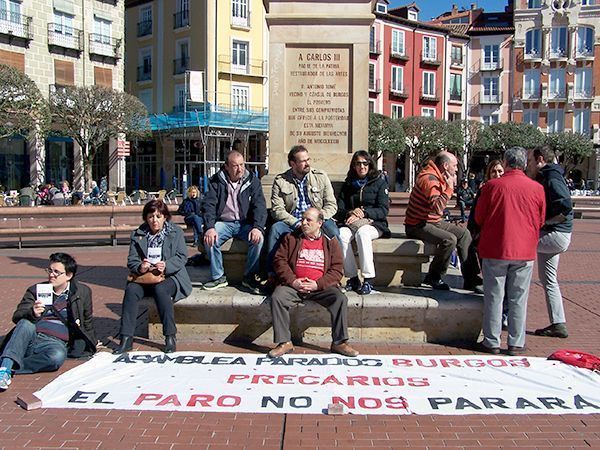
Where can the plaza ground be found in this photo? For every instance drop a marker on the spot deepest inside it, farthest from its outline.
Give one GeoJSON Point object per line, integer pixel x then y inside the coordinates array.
{"type": "Point", "coordinates": [103, 269]}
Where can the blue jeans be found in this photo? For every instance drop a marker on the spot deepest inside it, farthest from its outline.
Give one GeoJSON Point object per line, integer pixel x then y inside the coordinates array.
{"type": "Point", "coordinates": [280, 229]}
{"type": "Point", "coordinates": [226, 231]}
{"type": "Point", "coordinates": [34, 352]}
{"type": "Point", "coordinates": [196, 222]}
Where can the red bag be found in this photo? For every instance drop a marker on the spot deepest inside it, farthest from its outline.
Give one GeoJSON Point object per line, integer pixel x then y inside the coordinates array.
{"type": "Point", "coordinates": [577, 358]}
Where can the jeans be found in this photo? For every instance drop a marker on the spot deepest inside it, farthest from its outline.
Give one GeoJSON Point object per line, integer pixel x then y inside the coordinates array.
{"type": "Point", "coordinates": [280, 229]}
{"type": "Point", "coordinates": [226, 231]}
{"type": "Point", "coordinates": [34, 352]}
{"type": "Point", "coordinates": [364, 236]}
{"type": "Point", "coordinates": [550, 246]}
{"type": "Point", "coordinates": [196, 222]}
{"type": "Point", "coordinates": [162, 293]}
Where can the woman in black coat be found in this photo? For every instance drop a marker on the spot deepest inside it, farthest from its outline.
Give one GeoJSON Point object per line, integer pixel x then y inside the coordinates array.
{"type": "Point", "coordinates": [363, 206]}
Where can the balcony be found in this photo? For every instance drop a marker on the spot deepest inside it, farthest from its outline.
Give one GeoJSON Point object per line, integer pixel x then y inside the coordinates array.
{"type": "Point", "coordinates": [241, 20]}
{"type": "Point", "coordinates": [556, 95]}
{"type": "Point", "coordinates": [105, 46]}
{"type": "Point", "coordinates": [375, 47]}
{"type": "Point", "coordinates": [532, 56]}
{"type": "Point", "coordinates": [584, 53]}
{"type": "Point", "coordinates": [65, 37]}
{"type": "Point", "coordinates": [455, 96]}
{"type": "Point", "coordinates": [375, 86]}
{"type": "Point", "coordinates": [490, 99]}
{"type": "Point", "coordinates": [530, 95]}
{"type": "Point", "coordinates": [144, 28]}
{"type": "Point", "coordinates": [398, 91]}
{"type": "Point", "coordinates": [15, 25]}
{"type": "Point", "coordinates": [180, 65]}
{"type": "Point", "coordinates": [430, 58]}
{"type": "Point", "coordinates": [399, 53]}
{"type": "Point", "coordinates": [584, 94]}
{"type": "Point", "coordinates": [253, 68]}
{"type": "Point", "coordinates": [144, 73]}
{"type": "Point", "coordinates": [429, 96]}
{"type": "Point", "coordinates": [181, 19]}
{"type": "Point", "coordinates": [491, 66]}
{"type": "Point", "coordinates": [456, 62]}
{"type": "Point", "coordinates": [557, 54]}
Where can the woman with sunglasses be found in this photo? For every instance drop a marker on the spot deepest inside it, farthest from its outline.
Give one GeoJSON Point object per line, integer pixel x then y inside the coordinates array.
{"type": "Point", "coordinates": [363, 206]}
{"type": "Point", "coordinates": [157, 246]}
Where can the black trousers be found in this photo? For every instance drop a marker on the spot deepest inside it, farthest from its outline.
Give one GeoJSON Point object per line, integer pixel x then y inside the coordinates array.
{"type": "Point", "coordinates": [162, 293]}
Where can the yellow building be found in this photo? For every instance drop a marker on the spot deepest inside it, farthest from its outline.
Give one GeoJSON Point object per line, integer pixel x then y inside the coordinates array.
{"type": "Point", "coordinates": [226, 40]}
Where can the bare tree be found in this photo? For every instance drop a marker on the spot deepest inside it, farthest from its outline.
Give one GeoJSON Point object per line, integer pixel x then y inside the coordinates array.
{"type": "Point", "coordinates": [93, 115]}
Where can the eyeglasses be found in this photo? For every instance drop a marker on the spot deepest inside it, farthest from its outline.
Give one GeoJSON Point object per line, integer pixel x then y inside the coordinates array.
{"type": "Point", "coordinates": [361, 163]}
{"type": "Point", "coordinates": [56, 273]}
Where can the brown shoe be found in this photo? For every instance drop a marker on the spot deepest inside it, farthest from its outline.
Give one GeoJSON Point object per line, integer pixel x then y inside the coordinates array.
{"type": "Point", "coordinates": [516, 351]}
{"type": "Point", "coordinates": [281, 349]}
{"type": "Point", "coordinates": [343, 349]}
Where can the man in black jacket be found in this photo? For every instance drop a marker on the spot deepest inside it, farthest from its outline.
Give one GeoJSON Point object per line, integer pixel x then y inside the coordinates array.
{"type": "Point", "coordinates": [52, 323]}
{"type": "Point", "coordinates": [555, 235]}
{"type": "Point", "coordinates": [234, 207]}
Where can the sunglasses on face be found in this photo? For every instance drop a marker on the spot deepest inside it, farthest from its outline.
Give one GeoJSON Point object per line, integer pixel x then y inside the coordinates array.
{"type": "Point", "coordinates": [361, 163]}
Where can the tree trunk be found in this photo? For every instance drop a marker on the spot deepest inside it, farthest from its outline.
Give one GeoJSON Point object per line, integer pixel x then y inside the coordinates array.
{"type": "Point", "coordinates": [78, 180]}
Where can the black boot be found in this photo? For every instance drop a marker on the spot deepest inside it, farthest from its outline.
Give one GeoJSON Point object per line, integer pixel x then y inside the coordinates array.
{"type": "Point", "coordinates": [126, 345]}
{"type": "Point", "coordinates": [170, 344]}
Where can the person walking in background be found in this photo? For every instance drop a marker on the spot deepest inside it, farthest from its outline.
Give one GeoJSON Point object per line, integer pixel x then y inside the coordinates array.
{"type": "Point", "coordinates": [191, 211]}
{"type": "Point", "coordinates": [363, 206]}
{"type": "Point", "coordinates": [510, 212]}
{"type": "Point", "coordinates": [555, 236]}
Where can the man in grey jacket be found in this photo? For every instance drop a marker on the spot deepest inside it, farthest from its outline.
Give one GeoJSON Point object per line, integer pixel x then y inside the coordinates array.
{"type": "Point", "coordinates": [294, 191]}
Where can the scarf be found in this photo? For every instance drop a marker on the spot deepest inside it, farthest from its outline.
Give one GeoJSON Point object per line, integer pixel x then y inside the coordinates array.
{"type": "Point", "coordinates": [360, 183]}
{"type": "Point", "coordinates": [157, 240]}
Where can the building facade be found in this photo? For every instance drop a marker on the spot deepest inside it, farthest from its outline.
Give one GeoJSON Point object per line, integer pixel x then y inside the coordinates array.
{"type": "Point", "coordinates": [227, 43]}
{"type": "Point", "coordinates": [58, 43]}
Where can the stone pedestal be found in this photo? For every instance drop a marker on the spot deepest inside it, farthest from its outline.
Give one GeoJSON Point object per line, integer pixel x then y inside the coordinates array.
{"type": "Point", "coordinates": [318, 80]}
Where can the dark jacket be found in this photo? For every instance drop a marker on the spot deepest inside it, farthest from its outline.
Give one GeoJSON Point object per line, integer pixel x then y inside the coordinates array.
{"type": "Point", "coordinates": [558, 198]}
{"type": "Point", "coordinates": [190, 206]}
{"type": "Point", "coordinates": [466, 195]}
{"type": "Point", "coordinates": [251, 199]}
{"type": "Point", "coordinates": [373, 198]}
{"type": "Point", "coordinates": [174, 254]}
{"type": "Point", "coordinates": [82, 338]}
{"type": "Point", "coordinates": [284, 261]}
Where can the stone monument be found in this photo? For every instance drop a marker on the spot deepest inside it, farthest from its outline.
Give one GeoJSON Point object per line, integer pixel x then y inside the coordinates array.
{"type": "Point", "coordinates": [318, 81]}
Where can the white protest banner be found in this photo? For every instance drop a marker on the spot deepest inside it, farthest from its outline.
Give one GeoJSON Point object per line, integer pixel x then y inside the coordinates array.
{"type": "Point", "coordinates": [307, 384]}
{"type": "Point", "coordinates": [43, 293]}
{"type": "Point", "coordinates": [196, 86]}
{"type": "Point", "coordinates": [154, 254]}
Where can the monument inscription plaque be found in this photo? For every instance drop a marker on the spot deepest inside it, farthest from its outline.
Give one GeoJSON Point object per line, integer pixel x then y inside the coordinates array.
{"type": "Point", "coordinates": [318, 99]}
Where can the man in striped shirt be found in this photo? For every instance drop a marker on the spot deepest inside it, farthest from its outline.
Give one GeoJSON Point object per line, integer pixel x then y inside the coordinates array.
{"type": "Point", "coordinates": [428, 199]}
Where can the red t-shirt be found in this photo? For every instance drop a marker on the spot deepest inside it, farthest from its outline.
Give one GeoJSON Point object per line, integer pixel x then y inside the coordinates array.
{"type": "Point", "coordinates": [311, 259]}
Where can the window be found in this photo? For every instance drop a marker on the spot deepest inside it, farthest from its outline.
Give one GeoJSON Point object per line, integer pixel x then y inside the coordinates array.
{"type": "Point", "coordinates": [381, 8]}
{"type": "Point", "coordinates": [63, 23]}
{"type": "Point", "coordinates": [556, 120]}
{"type": "Point", "coordinates": [558, 42]}
{"type": "Point", "coordinates": [372, 77]}
{"type": "Point", "coordinates": [397, 42]}
{"type": "Point", "coordinates": [102, 30]}
{"type": "Point", "coordinates": [531, 116]}
{"type": "Point", "coordinates": [10, 10]}
{"type": "Point", "coordinates": [556, 83]}
{"type": "Point", "coordinates": [588, 2]}
{"type": "Point", "coordinates": [429, 48]}
{"type": "Point", "coordinates": [182, 51]}
{"type": "Point", "coordinates": [372, 42]}
{"type": "Point", "coordinates": [490, 119]}
{"type": "Point", "coordinates": [145, 68]}
{"type": "Point", "coordinates": [581, 121]}
{"type": "Point", "coordinates": [239, 13]}
{"type": "Point", "coordinates": [454, 116]}
{"type": "Point", "coordinates": [145, 23]}
{"type": "Point", "coordinates": [239, 97]}
{"type": "Point", "coordinates": [429, 84]}
{"type": "Point", "coordinates": [180, 97]}
{"type": "Point", "coordinates": [583, 82]}
{"type": "Point", "coordinates": [533, 43]}
{"type": "Point", "coordinates": [456, 56]}
{"type": "Point", "coordinates": [491, 92]}
{"type": "Point", "coordinates": [371, 106]}
{"type": "Point", "coordinates": [585, 41]}
{"type": "Point", "coordinates": [428, 112]}
{"type": "Point", "coordinates": [413, 15]}
{"type": "Point", "coordinates": [397, 79]}
{"type": "Point", "coordinates": [455, 87]}
{"type": "Point", "coordinates": [239, 56]}
{"type": "Point", "coordinates": [531, 83]}
{"type": "Point", "coordinates": [534, 3]}
{"type": "Point", "coordinates": [491, 57]}
{"type": "Point", "coordinates": [182, 13]}
{"type": "Point", "coordinates": [145, 97]}
{"type": "Point", "coordinates": [397, 111]}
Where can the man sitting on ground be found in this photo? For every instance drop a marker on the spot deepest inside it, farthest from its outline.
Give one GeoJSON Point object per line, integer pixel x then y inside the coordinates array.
{"type": "Point", "coordinates": [234, 207]}
{"type": "Point", "coordinates": [49, 330]}
{"type": "Point", "coordinates": [309, 267]}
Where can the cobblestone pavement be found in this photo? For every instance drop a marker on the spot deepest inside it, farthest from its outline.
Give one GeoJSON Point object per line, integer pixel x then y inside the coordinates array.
{"type": "Point", "coordinates": [103, 269]}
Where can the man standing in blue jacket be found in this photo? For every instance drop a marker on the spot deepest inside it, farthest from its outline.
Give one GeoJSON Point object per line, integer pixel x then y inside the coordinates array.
{"type": "Point", "coordinates": [234, 207]}
{"type": "Point", "coordinates": [555, 235]}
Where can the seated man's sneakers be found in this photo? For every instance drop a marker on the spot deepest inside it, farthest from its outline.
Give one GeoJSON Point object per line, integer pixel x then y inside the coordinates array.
{"type": "Point", "coordinates": [5, 378]}
{"type": "Point", "coordinates": [215, 284]}
{"type": "Point", "coordinates": [436, 283]}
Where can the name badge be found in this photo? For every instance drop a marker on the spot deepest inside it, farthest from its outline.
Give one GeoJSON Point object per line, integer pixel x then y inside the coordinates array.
{"type": "Point", "coordinates": [44, 294]}
{"type": "Point", "coordinates": [154, 254]}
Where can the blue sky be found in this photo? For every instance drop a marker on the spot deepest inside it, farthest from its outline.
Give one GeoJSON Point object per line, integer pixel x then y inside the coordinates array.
{"type": "Point", "coordinates": [433, 8]}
